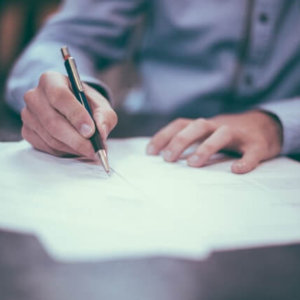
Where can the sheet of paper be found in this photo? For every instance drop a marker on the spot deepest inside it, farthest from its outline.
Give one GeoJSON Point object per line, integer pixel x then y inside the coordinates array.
{"type": "Point", "coordinates": [147, 206]}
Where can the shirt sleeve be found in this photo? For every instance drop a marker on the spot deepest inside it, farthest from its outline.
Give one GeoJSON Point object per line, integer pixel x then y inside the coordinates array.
{"type": "Point", "coordinates": [97, 34]}
{"type": "Point", "coordinates": [288, 112]}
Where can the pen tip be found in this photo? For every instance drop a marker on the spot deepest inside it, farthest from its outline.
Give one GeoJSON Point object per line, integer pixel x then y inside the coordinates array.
{"type": "Point", "coordinates": [103, 158]}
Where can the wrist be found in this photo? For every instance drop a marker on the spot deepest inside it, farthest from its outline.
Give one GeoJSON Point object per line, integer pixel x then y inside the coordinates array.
{"type": "Point", "coordinates": [274, 119]}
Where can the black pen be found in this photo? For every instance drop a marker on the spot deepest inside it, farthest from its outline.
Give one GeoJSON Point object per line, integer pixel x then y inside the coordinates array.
{"type": "Point", "coordinates": [78, 91]}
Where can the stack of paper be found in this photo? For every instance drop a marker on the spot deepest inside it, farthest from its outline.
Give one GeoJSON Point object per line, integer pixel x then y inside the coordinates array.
{"type": "Point", "coordinates": [147, 206]}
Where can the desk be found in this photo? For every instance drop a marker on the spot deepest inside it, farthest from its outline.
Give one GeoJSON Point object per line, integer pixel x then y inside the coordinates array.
{"type": "Point", "coordinates": [28, 273]}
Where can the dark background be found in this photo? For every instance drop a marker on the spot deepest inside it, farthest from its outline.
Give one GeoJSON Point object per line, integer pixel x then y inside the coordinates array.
{"type": "Point", "coordinates": [19, 21]}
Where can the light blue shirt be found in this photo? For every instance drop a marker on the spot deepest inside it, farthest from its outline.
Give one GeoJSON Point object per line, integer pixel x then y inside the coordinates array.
{"type": "Point", "coordinates": [197, 58]}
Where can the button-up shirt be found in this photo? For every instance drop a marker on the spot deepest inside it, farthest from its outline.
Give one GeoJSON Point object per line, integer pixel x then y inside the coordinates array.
{"type": "Point", "coordinates": [197, 58]}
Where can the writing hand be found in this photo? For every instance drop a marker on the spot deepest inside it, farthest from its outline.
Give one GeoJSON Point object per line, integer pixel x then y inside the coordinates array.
{"type": "Point", "coordinates": [55, 122]}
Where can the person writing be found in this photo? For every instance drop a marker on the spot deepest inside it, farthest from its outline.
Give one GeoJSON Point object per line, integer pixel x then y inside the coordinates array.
{"type": "Point", "coordinates": [228, 72]}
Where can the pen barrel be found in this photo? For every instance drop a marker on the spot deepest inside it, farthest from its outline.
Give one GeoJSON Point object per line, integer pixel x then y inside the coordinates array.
{"type": "Point", "coordinates": [76, 84]}
{"type": "Point", "coordinates": [96, 139]}
{"type": "Point", "coordinates": [78, 91]}
{"type": "Point", "coordinates": [82, 99]}
{"type": "Point", "coordinates": [73, 74]}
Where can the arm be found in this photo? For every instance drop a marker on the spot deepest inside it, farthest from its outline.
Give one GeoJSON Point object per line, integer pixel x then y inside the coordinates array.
{"type": "Point", "coordinates": [97, 33]}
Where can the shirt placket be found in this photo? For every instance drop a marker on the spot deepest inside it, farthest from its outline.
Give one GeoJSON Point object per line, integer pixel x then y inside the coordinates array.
{"type": "Point", "coordinates": [260, 37]}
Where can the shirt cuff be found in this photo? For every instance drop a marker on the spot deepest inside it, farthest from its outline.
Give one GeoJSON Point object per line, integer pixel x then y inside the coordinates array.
{"type": "Point", "coordinates": [27, 71]}
{"type": "Point", "coordinates": [99, 86]}
{"type": "Point", "coordinates": [288, 113]}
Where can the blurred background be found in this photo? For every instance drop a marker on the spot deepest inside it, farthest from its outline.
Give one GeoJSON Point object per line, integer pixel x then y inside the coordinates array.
{"type": "Point", "coordinates": [19, 22]}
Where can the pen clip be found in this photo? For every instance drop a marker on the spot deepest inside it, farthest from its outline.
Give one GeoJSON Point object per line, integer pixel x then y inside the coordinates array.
{"type": "Point", "coordinates": [75, 74]}
{"type": "Point", "coordinates": [72, 68]}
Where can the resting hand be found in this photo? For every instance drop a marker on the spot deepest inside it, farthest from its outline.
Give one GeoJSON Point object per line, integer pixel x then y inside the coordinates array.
{"type": "Point", "coordinates": [55, 122]}
{"type": "Point", "coordinates": [256, 135]}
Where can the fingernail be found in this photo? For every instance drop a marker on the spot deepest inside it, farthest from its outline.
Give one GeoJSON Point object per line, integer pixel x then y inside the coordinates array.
{"type": "Point", "coordinates": [151, 149]}
{"type": "Point", "coordinates": [239, 167]}
{"type": "Point", "coordinates": [86, 130]}
{"type": "Point", "coordinates": [167, 154]}
{"type": "Point", "coordinates": [193, 160]}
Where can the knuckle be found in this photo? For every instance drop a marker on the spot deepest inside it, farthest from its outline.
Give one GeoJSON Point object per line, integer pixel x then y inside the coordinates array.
{"type": "Point", "coordinates": [180, 121]}
{"type": "Point", "coordinates": [45, 77]}
{"type": "Point", "coordinates": [181, 139]}
{"type": "Point", "coordinates": [29, 97]}
{"type": "Point", "coordinates": [226, 129]}
{"type": "Point", "coordinates": [52, 84]}
{"type": "Point", "coordinates": [57, 95]}
{"type": "Point", "coordinates": [113, 117]}
{"type": "Point", "coordinates": [208, 148]}
{"type": "Point", "coordinates": [53, 143]}
{"type": "Point", "coordinates": [81, 146]}
{"type": "Point", "coordinates": [227, 132]}
{"type": "Point", "coordinates": [52, 125]}
{"type": "Point", "coordinates": [24, 115]}
{"type": "Point", "coordinates": [77, 113]}
{"type": "Point", "coordinates": [203, 123]}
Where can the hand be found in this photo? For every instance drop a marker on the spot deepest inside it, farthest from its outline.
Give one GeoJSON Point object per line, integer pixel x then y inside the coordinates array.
{"type": "Point", "coordinates": [55, 122]}
{"type": "Point", "coordinates": [256, 135]}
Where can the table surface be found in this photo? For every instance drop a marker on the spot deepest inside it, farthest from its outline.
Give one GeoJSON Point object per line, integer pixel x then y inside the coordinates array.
{"type": "Point", "coordinates": [28, 273]}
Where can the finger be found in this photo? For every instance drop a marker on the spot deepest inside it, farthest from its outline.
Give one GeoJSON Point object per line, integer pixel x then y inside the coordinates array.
{"type": "Point", "coordinates": [163, 136]}
{"type": "Point", "coordinates": [57, 125]}
{"type": "Point", "coordinates": [33, 138]}
{"type": "Point", "coordinates": [249, 161]}
{"type": "Point", "coordinates": [33, 123]}
{"type": "Point", "coordinates": [194, 131]}
{"type": "Point", "coordinates": [105, 117]}
{"type": "Point", "coordinates": [56, 89]}
{"type": "Point", "coordinates": [221, 138]}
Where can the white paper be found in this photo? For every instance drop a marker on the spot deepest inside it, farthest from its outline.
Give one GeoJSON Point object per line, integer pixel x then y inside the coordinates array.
{"type": "Point", "coordinates": [147, 206]}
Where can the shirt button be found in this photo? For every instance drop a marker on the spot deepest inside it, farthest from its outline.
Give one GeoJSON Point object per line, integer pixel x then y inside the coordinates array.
{"type": "Point", "coordinates": [248, 80]}
{"type": "Point", "coordinates": [263, 18]}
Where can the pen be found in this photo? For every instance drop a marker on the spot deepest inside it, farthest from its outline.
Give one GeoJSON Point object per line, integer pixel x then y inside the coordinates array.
{"type": "Point", "coordinates": [78, 91]}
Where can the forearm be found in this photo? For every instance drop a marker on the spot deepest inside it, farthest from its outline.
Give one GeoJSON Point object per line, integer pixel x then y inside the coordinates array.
{"type": "Point", "coordinates": [37, 59]}
{"type": "Point", "coordinates": [96, 39]}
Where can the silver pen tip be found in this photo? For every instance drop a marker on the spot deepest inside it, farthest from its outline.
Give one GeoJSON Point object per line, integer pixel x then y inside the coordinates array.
{"type": "Point", "coordinates": [103, 158]}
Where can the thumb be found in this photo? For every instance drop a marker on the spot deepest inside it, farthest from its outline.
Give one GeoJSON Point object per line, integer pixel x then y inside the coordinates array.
{"type": "Point", "coordinates": [249, 161]}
